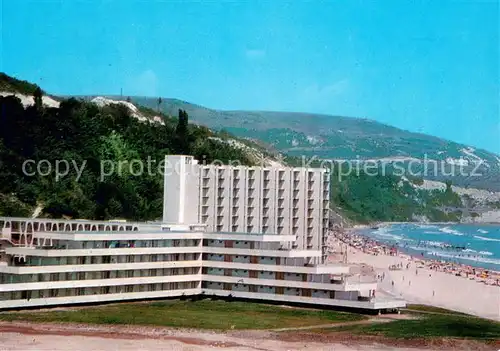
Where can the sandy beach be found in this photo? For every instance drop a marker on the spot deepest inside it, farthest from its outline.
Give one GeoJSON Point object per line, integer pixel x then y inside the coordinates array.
{"type": "Point", "coordinates": [413, 280]}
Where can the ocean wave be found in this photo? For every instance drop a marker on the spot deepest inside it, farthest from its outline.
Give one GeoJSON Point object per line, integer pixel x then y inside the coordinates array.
{"type": "Point", "coordinates": [466, 258]}
{"type": "Point", "coordinates": [382, 230]}
{"type": "Point", "coordinates": [435, 243]}
{"type": "Point", "coordinates": [386, 233]}
{"type": "Point", "coordinates": [427, 247]}
{"type": "Point", "coordinates": [448, 230]}
{"type": "Point", "coordinates": [486, 253]}
{"type": "Point", "coordinates": [431, 232]}
{"type": "Point", "coordinates": [485, 239]}
{"type": "Point", "coordinates": [390, 236]}
{"type": "Point", "coordinates": [482, 231]}
{"type": "Point", "coordinates": [469, 250]}
{"type": "Point", "coordinates": [426, 226]}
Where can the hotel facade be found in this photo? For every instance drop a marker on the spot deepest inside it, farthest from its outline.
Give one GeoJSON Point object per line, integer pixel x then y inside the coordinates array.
{"type": "Point", "coordinates": [245, 232]}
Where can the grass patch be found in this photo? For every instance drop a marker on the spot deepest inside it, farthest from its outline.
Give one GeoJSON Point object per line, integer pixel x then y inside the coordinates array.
{"type": "Point", "coordinates": [204, 314]}
{"type": "Point", "coordinates": [429, 326]}
{"type": "Point", "coordinates": [432, 309]}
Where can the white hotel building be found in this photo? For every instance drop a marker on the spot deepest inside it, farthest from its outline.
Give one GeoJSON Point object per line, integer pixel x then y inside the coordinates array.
{"type": "Point", "coordinates": [245, 232]}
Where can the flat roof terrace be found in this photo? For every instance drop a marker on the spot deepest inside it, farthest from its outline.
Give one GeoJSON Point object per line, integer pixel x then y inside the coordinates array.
{"type": "Point", "coordinates": [159, 235]}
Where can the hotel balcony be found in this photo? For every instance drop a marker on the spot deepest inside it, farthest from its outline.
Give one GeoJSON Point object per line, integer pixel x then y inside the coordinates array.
{"type": "Point", "coordinates": [281, 175]}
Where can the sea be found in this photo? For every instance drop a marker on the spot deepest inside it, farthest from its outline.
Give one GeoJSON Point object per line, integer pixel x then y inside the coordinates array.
{"type": "Point", "coordinates": [469, 244]}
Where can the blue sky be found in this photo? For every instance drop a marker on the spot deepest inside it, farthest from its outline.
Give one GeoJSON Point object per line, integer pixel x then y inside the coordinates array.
{"type": "Point", "coordinates": [427, 66]}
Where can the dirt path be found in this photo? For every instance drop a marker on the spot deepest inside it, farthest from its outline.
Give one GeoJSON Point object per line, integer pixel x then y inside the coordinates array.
{"type": "Point", "coordinates": [458, 314]}
{"type": "Point", "coordinates": [24, 336]}
{"type": "Point", "coordinates": [333, 325]}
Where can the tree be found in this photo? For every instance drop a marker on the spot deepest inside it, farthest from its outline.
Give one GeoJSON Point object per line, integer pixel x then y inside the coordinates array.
{"type": "Point", "coordinates": [129, 99]}
{"type": "Point", "coordinates": [159, 103]}
{"type": "Point", "coordinates": [182, 133]}
{"type": "Point", "coordinates": [37, 97]}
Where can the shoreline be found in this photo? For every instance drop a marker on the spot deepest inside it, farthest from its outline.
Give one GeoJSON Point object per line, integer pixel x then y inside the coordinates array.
{"type": "Point", "coordinates": [370, 243]}
{"type": "Point", "coordinates": [385, 224]}
{"type": "Point", "coordinates": [463, 260]}
{"type": "Point", "coordinates": [420, 280]}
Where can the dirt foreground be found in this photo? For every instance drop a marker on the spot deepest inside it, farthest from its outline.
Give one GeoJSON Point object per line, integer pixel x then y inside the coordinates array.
{"type": "Point", "coordinates": [33, 336]}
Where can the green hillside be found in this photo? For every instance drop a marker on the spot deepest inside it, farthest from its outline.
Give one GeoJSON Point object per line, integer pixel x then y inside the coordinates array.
{"type": "Point", "coordinates": [10, 84]}
{"type": "Point", "coordinates": [336, 137]}
{"type": "Point", "coordinates": [93, 139]}
{"type": "Point", "coordinates": [88, 136]}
